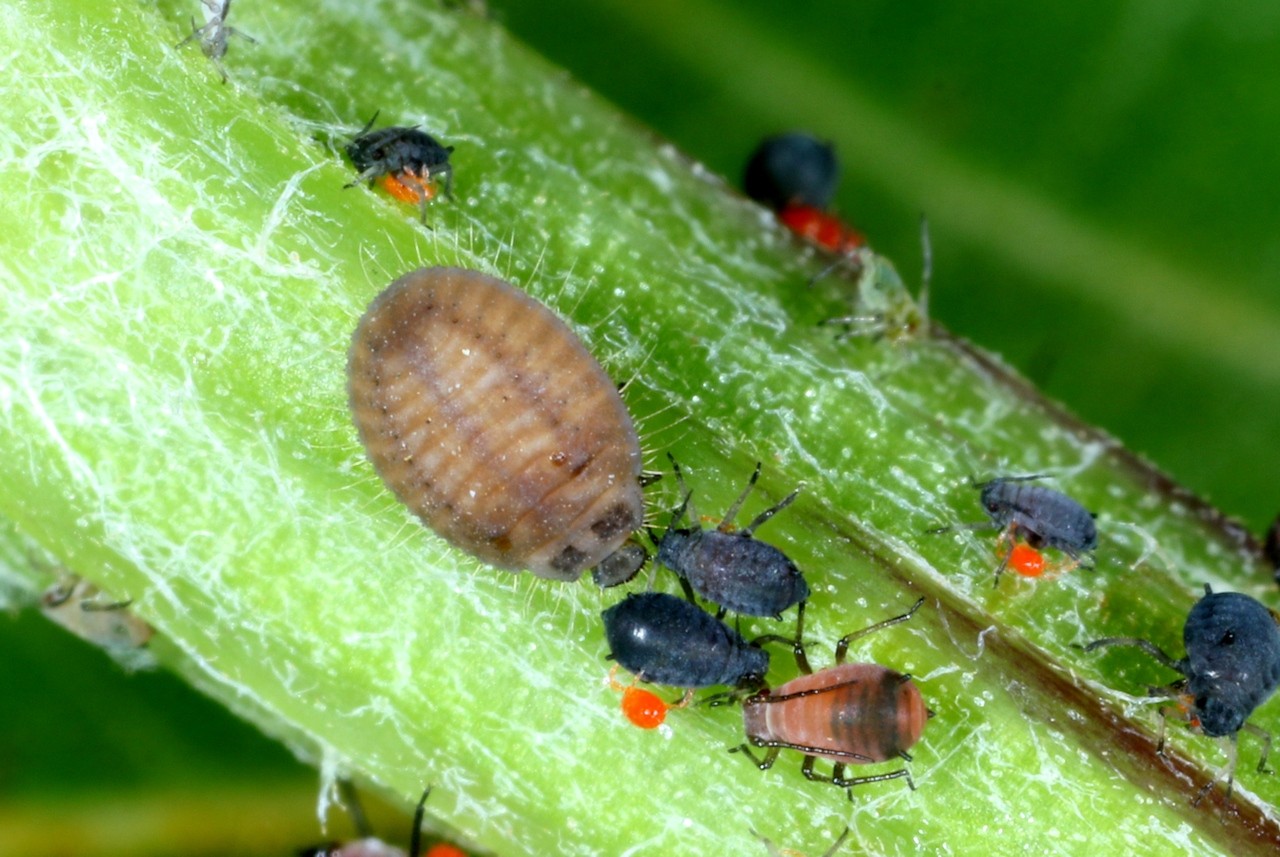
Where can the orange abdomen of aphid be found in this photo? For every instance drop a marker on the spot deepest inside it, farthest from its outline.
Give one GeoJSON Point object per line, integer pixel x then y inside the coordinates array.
{"type": "Point", "coordinates": [850, 713]}
{"type": "Point", "coordinates": [490, 420]}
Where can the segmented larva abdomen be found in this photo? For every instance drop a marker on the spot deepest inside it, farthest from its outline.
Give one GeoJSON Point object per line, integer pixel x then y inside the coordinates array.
{"type": "Point", "coordinates": [488, 417]}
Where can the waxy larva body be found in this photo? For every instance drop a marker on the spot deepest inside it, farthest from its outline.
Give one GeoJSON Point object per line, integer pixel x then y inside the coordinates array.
{"type": "Point", "coordinates": [490, 420]}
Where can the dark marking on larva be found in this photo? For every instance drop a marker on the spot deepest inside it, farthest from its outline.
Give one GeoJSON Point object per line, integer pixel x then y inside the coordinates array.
{"type": "Point", "coordinates": [527, 463]}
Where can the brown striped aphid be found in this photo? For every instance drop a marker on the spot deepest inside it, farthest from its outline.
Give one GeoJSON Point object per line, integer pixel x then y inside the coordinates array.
{"type": "Point", "coordinates": [852, 714]}
{"type": "Point", "coordinates": [490, 420]}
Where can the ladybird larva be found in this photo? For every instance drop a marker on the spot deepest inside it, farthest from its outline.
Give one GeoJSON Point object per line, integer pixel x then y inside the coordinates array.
{"type": "Point", "coordinates": [490, 420]}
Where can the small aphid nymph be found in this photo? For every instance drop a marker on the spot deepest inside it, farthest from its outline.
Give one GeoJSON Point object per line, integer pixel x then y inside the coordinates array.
{"type": "Point", "coordinates": [410, 160]}
{"type": "Point", "coordinates": [78, 606]}
{"type": "Point", "coordinates": [792, 169]}
{"type": "Point", "coordinates": [1232, 666]}
{"type": "Point", "coordinates": [490, 420]}
{"type": "Point", "coordinates": [852, 714]}
{"type": "Point", "coordinates": [1041, 516]}
{"type": "Point", "coordinates": [215, 33]}
{"type": "Point", "coordinates": [667, 640]}
{"type": "Point", "coordinates": [730, 567]}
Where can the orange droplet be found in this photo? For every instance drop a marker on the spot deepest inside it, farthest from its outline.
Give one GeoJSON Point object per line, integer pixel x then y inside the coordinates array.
{"type": "Point", "coordinates": [407, 187]}
{"type": "Point", "coordinates": [1026, 560]}
{"type": "Point", "coordinates": [444, 849]}
{"type": "Point", "coordinates": [820, 228]}
{"type": "Point", "coordinates": [643, 709]}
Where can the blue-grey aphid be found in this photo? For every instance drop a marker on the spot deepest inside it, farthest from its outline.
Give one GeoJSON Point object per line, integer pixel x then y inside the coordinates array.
{"type": "Point", "coordinates": [667, 640]}
{"type": "Point", "coordinates": [1232, 666]}
{"type": "Point", "coordinates": [792, 169]}
{"type": "Point", "coordinates": [729, 567]}
{"type": "Point", "coordinates": [1041, 516]}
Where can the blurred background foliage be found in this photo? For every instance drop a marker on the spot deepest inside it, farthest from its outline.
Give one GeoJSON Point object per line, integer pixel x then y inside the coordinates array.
{"type": "Point", "coordinates": [1103, 189]}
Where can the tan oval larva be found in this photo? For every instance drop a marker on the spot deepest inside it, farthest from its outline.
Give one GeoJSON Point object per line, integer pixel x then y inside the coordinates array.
{"type": "Point", "coordinates": [488, 417]}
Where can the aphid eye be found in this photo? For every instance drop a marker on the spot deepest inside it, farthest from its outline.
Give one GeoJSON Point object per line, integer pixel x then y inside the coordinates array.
{"type": "Point", "coordinates": [1227, 638]}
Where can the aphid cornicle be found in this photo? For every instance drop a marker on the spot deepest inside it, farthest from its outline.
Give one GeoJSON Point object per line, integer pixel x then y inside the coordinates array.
{"type": "Point", "coordinates": [490, 420]}
{"type": "Point", "coordinates": [1042, 516]}
{"type": "Point", "coordinates": [668, 640]}
{"type": "Point", "coordinates": [410, 160]}
{"type": "Point", "coordinates": [852, 714]}
{"type": "Point", "coordinates": [794, 168]}
{"type": "Point", "coordinates": [730, 567]}
{"type": "Point", "coordinates": [1232, 666]}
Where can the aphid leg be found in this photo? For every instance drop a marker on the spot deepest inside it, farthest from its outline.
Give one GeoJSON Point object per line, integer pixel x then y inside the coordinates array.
{"type": "Point", "coordinates": [839, 780]}
{"type": "Point", "coordinates": [797, 642]}
{"type": "Point", "coordinates": [1265, 737]}
{"type": "Point", "coordinates": [842, 647]}
{"type": "Point", "coordinates": [763, 763]}
{"type": "Point", "coordinates": [727, 524]}
{"type": "Point", "coordinates": [1004, 562]}
{"type": "Point", "coordinates": [1228, 771]}
{"type": "Point", "coordinates": [447, 171]}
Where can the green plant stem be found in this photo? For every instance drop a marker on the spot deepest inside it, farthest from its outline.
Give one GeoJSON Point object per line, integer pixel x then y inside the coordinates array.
{"type": "Point", "coordinates": [182, 271]}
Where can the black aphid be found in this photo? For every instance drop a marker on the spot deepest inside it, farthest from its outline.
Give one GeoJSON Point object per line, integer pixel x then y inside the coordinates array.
{"type": "Point", "coordinates": [792, 169]}
{"type": "Point", "coordinates": [412, 157]}
{"type": "Point", "coordinates": [1041, 516]}
{"type": "Point", "coordinates": [1232, 666]}
{"type": "Point", "coordinates": [730, 567]}
{"type": "Point", "coordinates": [667, 640]}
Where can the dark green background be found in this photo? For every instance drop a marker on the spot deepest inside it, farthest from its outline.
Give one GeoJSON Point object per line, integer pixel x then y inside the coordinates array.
{"type": "Point", "coordinates": [1151, 124]}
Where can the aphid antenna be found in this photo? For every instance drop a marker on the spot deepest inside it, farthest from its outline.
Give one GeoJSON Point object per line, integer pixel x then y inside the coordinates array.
{"type": "Point", "coordinates": [687, 505]}
{"type": "Point", "coordinates": [1146, 645]}
{"type": "Point", "coordinates": [974, 525]}
{"type": "Point", "coordinates": [786, 501]}
{"type": "Point", "coordinates": [976, 484]}
{"type": "Point", "coordinates": [726, 525]}
{"type": "Point", "coordinates": [926, 271]}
